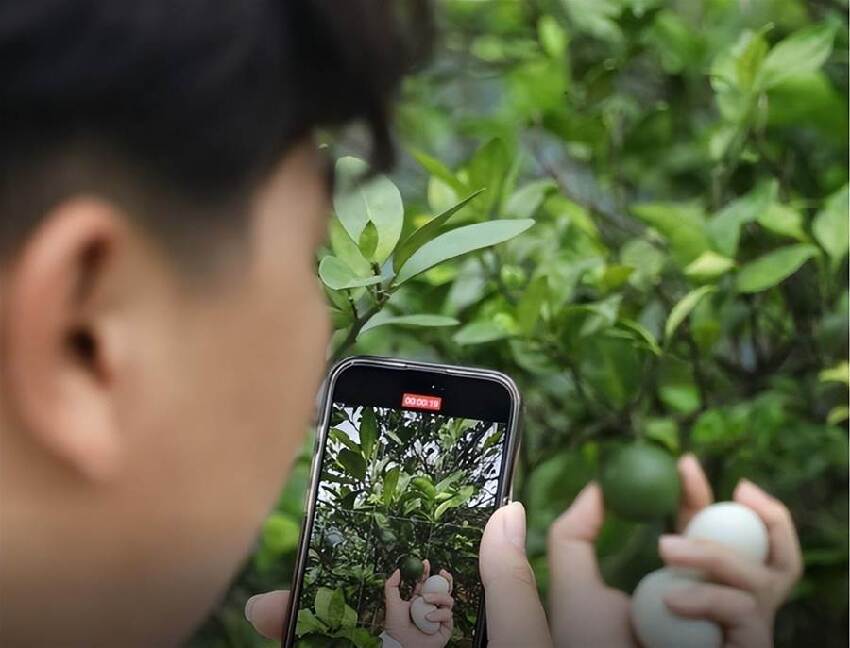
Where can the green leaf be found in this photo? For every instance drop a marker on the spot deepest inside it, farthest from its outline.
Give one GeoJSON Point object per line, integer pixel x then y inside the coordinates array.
{"type": "Point", "coordinates": [830, 226]}
{"type": "Point", "coordinates": [425, 486]}
{"type": "Point", "coordinates": [439, 170]}
{"type": "Point", "coordinates": [458, 242]}
{"type": "Point", "coordinates": [359, 200]}
{"type": "Point", "coordinates": [837, 415]}
{"type": "Point", "coordinates": [330, 606]}
{"type": "Point", "coordinates": [308, 623]}
{"type": "Point", "coordinates": [709, 265]}
{"type": "Point", "coordinates": [664, 431]}
{"type": "Point", "coordinates": [803, 51]}
{"type": "Point", "coordinates": [368, 242]}
{"type": "Point", "coordinates": [645, 258]}
{"type": "Point", "coordinates": [531, 304]}
{"type": "Point", "coordinates": [838, 373]}
{"type": "Point", "coordinates": [347, 250]}
{"type": "Point", "coordinates": [353, 463]}
{"type": "Point", "coordinates": [749, 62]}
{"type": "Point", "coordinates": [641, 334]}
{"type": "Point", "coordinates": [360, 637]}
{"type": "Point", "coordinates": [488, 169]}
{"type": "Point", "coordinates": [440, 195]}
{"type": "Point", "coordinates": [683, 225]}
{"type": "Point", "coordinates": [349, 619]}
{"type": "Point", "coordinates": [734, 77]}
{"type": "Point", "coordinates": [444, 484]}
{"type": "Point", "coordinates": [725, 227]}
{"type": "Point", "coordinates": [427, 232]}
{"type": "Point", "coordinates": [552, 37]}
{"type": "Point", "coordinates": [563, 208]}
{"type": "Point", "coordinates": [678, 45]}
{"type": "Point", "coordinates": [336, 275]}
{"type": "Point", "coordinates": [772, 268]}
{"type": "Point", "coordinates": [525, 201]}
{"type": "Point", "coordinates": [280, 533]}
{"type": "Point", "coordinates": [783, 220]}
{"type": "Point", "coordinates": [683, 308]}
{"type": "Point", "coordinates": [457, 500]}
{"type": "Point", "coordinates": [390, 483]}
{"type": "Point", "coordinates": [481, 332]}
{"type": "Point", "coordinates": [596, 17]}
{"type": "Point", "coordinates": [368, 431]}
{"type": "Point", "coordinates": [676, 386]}
{"type": "Point", "coordinates": [615, 276]}
{"type": "Point", "coordinates": [340, 436]}
{"type": "Point", "coordinates": [612, 367]}
{"type": "Point", "coordinates": [602, 314]}
{"type": "Point", "coordinates": [382, 319]}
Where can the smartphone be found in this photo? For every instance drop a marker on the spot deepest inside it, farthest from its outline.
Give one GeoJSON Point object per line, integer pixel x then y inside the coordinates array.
{"type": "Point", "coordinates": [411, 460]}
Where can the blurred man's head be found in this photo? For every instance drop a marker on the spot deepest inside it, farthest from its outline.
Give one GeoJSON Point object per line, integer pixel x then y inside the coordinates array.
{"type": "Point", "coordinates": [161, 331]}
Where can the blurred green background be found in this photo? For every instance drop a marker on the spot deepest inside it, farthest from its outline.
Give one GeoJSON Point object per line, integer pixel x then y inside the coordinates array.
{"type": "Point", "coordinates": [684, 280]}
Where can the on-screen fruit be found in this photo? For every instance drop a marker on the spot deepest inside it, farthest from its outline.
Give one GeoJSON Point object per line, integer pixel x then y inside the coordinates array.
{"type": "Point", "coordinates": [435, 585]}
{"type": "Point", "coordinates": [411, 568]}
{"type": "Point", "coordinates": [418, 611]}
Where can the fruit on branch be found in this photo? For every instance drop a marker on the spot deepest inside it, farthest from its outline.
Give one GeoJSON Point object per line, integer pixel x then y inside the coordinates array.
{"type": "Point", "coordinates": [411, 569]}
{"type": "Point", "coordinates": [640, 482]}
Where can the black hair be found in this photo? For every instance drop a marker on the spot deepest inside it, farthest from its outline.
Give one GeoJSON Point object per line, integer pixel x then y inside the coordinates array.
{"type": "Point", "coordinates": [204, 97]}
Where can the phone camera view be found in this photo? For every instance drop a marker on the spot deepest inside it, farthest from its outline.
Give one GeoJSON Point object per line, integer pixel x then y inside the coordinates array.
{"type": "Point", "coordinates": [393, 555]}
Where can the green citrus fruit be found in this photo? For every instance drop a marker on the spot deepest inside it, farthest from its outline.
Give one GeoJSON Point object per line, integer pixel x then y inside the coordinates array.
{"type": "Point", "coordinates": [641, 483]}
{"type": "Point", "coordinates": [411, 568]}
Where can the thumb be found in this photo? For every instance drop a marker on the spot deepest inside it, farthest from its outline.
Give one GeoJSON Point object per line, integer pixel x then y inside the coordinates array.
{"type": "Point", "coordinates": [266, 613]}
{"type": "Point", "coordinates": [515, 616]}
{"type": "Point", "coordinates": [392, 594]}
{"type": "Point", "coordinates": [572, 553]}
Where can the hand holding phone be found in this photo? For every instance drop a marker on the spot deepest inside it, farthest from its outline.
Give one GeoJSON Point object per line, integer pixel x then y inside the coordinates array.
{"type": "Point", "coordinates": [411, 461]}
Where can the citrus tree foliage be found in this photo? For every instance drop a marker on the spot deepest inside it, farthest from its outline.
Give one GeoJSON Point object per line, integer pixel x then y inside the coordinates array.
{"type": "Point", "coordinates": [638, 209]}
{"type": "Point", "coordinates": [397, 486]}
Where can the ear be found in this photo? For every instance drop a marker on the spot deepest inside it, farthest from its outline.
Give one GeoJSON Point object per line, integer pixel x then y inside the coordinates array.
{"type": "Point", "coordinates": [59, 352]}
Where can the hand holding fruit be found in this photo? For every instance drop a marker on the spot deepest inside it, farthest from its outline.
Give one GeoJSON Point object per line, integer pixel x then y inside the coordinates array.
{"type": "Point", "coordinates": [426, 620]}
{"type": "Point", "coordinates": [733, 526]}
{"type": "Point", "coordinates": [742, 596]}
{"type": "Point", "coordinates": [744, 593]}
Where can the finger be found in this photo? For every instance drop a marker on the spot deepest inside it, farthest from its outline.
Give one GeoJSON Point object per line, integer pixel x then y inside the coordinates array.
{"type": "Point", "coordinates": [391, 585]}
{"type": "Point", "coordinates": [448, 577]}
{"type": "Point", "coordinates": [443, 600]}
{"type": "Point", "coordinates": [715, 563]}
{"type": "Point", "coordinates": [266, 613]}
{"type": "Point", "coordinates": [733, 609]}
{"type": "Point", "coordinates": [572, 552]}
{"type": "Point", "coordinates": [446, 628]}
{"type": "Point", "coordinates": [696, 491]}
{"type": "Point", "coordinates": [515, 616]}
{"type": "Point", "coordinates": [440, 615]}
{"type": "Point", "coordinates": [785, 555]}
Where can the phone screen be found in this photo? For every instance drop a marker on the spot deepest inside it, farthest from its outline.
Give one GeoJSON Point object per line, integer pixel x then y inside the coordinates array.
{"type": "Point", "coordinates": [410, 470]}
